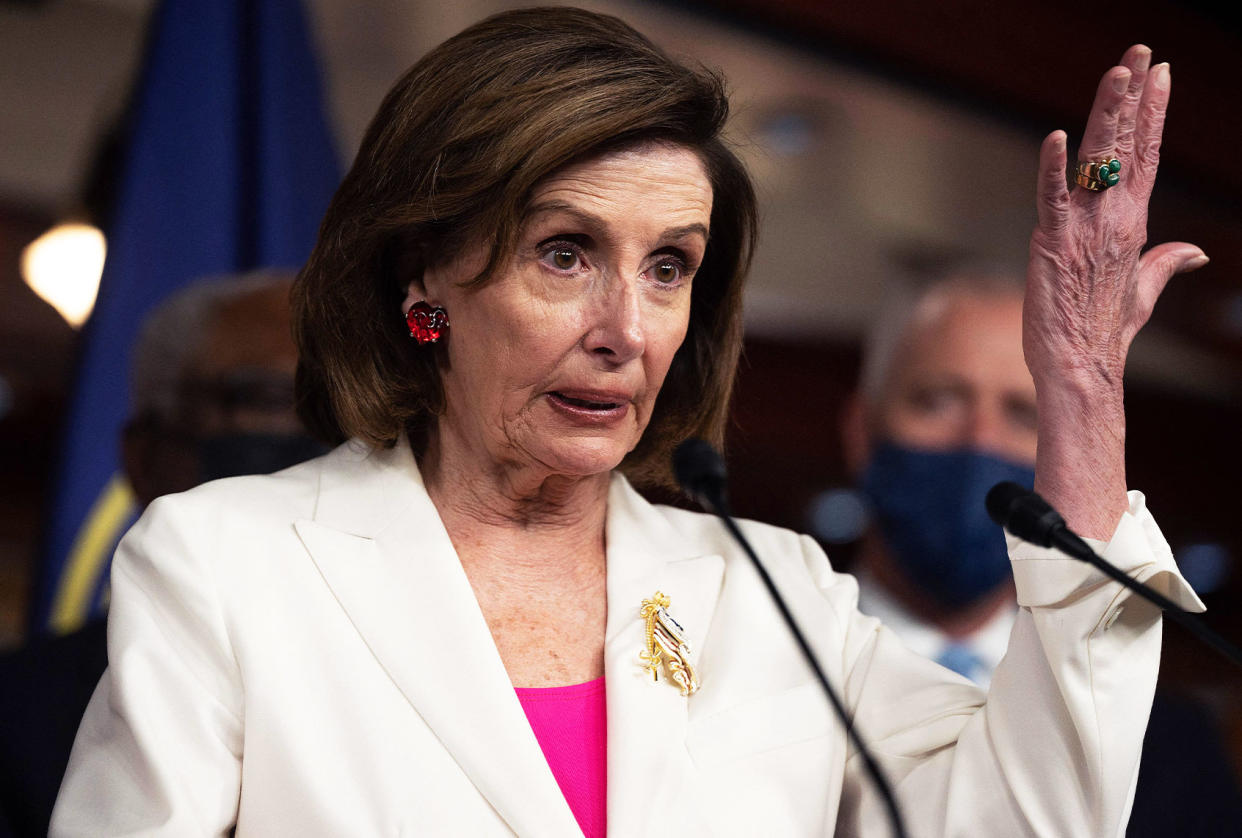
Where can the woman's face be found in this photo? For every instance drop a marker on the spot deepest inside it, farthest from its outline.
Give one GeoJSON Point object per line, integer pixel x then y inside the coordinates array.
{"type": "Point", "coordinates": [557, 362]}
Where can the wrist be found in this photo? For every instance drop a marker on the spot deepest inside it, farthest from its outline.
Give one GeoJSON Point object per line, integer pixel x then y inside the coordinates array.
{"type": "Point", "coordinates": [1080, 398]}
{"type": "Point", "coordinates": [1080, 459]}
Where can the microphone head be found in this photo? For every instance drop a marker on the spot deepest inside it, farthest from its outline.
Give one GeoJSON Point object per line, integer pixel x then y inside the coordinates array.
{"type": "Point", "coordinates": [1001, 498]}
{"type": "Point", "coordinates": [1023, 512]}
{"type": "Point", "coordinates": [701, 473]}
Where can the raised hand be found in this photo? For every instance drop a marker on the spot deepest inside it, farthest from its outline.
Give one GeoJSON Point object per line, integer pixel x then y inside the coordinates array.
{"type": "Point", "coordinates": [1090, 288]}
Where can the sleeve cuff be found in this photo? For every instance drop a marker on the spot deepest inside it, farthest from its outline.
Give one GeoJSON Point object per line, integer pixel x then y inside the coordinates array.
{"type": "Point", "coordinates": [1047, 578]}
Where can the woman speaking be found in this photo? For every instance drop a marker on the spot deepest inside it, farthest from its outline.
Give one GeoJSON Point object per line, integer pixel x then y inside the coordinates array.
{"type": "Point", "coordinates": [466, 621]}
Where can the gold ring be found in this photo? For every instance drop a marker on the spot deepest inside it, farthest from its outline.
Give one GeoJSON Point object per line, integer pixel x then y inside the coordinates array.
{"type": "Point", "coordinates": [1098, 175]}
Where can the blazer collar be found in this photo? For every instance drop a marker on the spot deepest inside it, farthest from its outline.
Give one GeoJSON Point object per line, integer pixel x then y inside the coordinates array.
{"type": "Point", "coordinates": [364, 490]}
{"type": "Point", "coordinates": [648, 767]}
{"type": "Point", "coordinates": [379, 544]}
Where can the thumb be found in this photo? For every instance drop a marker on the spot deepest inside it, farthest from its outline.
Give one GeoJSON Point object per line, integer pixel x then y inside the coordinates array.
{"type": "Point", "coordinates": [1160, 264]}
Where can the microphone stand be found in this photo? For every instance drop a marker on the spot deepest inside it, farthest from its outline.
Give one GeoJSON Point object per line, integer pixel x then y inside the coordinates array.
{"type": "Point", "coordinates": [1025, 514]}
{"type": "Point", "coordinates": [701, 472]}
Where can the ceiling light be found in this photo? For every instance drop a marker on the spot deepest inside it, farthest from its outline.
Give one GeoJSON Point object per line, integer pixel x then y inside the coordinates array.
{"type": "Point", "coordinates": [63, 267]}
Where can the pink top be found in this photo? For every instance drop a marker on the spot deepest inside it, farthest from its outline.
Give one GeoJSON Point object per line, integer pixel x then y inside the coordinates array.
{"type": "Point", "coordinates": [571, 726]}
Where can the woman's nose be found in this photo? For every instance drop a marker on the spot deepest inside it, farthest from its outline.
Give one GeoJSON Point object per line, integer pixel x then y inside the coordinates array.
{"type": "Point", "coordinates": [618, 331]}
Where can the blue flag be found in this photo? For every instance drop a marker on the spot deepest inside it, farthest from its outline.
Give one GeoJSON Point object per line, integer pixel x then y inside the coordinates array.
{"type": "Point", "coordinates": [229, 167]}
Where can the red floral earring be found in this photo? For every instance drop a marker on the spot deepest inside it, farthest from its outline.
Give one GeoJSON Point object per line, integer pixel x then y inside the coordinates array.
{"type": "Point", "coordinates": [427, 323]}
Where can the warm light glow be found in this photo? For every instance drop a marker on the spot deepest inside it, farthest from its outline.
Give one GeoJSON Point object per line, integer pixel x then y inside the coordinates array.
{"type": "Point", "coordinates": [63, 267]}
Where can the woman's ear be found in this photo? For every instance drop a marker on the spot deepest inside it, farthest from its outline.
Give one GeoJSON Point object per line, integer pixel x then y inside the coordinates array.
{"type": "Point", "coordinates": [413, 293]}
{"type": "Point", "coordinates": [410, 266]}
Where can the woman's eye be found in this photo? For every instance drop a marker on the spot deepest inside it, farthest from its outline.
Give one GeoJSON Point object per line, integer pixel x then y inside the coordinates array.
{"type": "Point", "coordinates": [666, 272]}
{"type": "Point", "coordinates": [564, 258]}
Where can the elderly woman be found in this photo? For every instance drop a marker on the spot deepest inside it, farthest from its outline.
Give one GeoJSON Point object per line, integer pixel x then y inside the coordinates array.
{"type": "Point", "coordinates": [461, 622]}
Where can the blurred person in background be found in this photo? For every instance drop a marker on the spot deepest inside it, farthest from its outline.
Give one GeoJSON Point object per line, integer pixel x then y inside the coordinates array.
{"type": "Point", "coordinates": [213, 387]}
{"type": "Point", "coordinates": [945, 409]}
{"type": "Point", "coordinates": [211, 396]}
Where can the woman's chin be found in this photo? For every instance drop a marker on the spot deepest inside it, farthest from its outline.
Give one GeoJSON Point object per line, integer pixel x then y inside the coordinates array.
{"type": "Point", "coordinates": [582, 457]}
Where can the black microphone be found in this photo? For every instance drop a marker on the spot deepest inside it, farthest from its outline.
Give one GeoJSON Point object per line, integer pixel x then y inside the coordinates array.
{"type": "Point", "coordinates": [1025, 514]}
{"type": "Point", "coordinates": [702, 475]}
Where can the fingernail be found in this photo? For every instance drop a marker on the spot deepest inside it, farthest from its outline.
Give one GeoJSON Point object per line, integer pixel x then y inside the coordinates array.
{"type": "Point", "coordinates": [1196, 262]}
{"type": "Point", "coordinates": [1162, 76]}
{"type": "Point", "coordinates": [1121, 81]}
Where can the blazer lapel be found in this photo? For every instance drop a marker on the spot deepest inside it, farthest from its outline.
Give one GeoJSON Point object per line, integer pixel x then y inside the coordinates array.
{"type": "Point", "coordinates": [649, 770]}
{"type": "Point", "coordinates": [378, 542]}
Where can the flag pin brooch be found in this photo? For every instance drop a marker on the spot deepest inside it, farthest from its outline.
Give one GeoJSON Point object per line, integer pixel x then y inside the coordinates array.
{"type": "Point", "coordinates": [666, 645]}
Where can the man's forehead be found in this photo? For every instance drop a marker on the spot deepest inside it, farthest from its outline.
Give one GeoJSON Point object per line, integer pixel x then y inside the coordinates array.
{"type": "Point", "coordinates": [967, 333]}
{"type": "Point", "coordinates": [250, 331]}
{"type": "Point", "coordinates": [949, 301]}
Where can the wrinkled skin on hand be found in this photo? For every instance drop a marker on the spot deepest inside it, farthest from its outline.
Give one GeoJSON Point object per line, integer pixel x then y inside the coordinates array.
{"type": "Point", "coordinates": [1090, 288]}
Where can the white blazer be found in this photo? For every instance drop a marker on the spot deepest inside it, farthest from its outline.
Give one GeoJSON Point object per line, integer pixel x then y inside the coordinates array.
{"type": "Point", "coordinates": [302, 655]}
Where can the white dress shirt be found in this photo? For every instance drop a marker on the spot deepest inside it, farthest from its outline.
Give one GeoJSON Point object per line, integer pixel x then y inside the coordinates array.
{"type": "Point", "coordinates": [987, 643]}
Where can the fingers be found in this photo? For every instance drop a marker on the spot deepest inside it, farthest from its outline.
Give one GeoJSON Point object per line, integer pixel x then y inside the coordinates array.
{"type": "Point", "coordinates": [1051, 192]}
{"type": "Point", "coordinates": [1148, 128]}
{"type": "Point", "coordinates": [1136, 59]}
{"type": "Point", "coordinates": [1100, 138]}
{"type": "Point", "coordinates": [1160, 264]}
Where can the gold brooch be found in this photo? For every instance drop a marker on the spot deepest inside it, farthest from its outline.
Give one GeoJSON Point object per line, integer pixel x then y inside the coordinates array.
{"type": "Point", "coordinates": [666, 643]}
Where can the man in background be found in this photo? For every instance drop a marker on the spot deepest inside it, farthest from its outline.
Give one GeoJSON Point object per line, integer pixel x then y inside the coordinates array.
{"type": "Point", "coordinates": [211, 396]}
{"type": "Point", "coordinates": [212, 387]}
{"type": "Point", "coordinates": [945, 410]}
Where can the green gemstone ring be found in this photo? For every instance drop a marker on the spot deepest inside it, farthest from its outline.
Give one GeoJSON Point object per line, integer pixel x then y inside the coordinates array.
{"type": "Point", "coordinates": [1098, 175]}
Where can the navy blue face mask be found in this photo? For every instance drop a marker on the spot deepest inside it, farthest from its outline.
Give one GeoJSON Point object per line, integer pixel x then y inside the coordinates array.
{"type": "Point", "coordinates": [929, 508]}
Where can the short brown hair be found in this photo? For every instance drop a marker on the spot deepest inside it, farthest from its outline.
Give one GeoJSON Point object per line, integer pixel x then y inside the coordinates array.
{"type": "Point", "coordinates": [454, 153]}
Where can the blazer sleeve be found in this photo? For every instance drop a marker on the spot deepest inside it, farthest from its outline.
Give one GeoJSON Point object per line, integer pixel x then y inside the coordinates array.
{"type": "Point", "coordinates": [159, 749]}
{"type": "Point", "coordinates": [1053, 747]}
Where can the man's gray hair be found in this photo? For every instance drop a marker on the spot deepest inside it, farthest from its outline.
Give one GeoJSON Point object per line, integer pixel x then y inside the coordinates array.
{"type": "Point", "coordinates": [172, 334]}
{"type": "Point", "coordinates": [909, 302]}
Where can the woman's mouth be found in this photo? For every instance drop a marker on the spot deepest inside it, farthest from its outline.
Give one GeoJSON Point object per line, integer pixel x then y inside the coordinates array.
{"type": "Point", "coordinates": [585, 403]}
{"type": "Point", "coordinates": [590, 407]}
